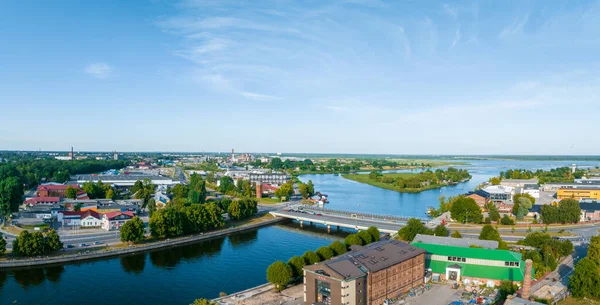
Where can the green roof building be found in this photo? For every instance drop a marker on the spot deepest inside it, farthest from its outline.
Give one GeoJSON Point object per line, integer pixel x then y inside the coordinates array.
{"type": "Point", "coordinates": [473, 265]}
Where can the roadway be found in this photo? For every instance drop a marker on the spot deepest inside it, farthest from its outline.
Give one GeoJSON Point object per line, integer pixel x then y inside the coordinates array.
{"type": "Point", "coordinates": [336, 220]}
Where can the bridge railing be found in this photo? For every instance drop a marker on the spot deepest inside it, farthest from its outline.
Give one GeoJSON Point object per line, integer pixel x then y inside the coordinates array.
{"type": "Point", "coordinates": [365, 215]}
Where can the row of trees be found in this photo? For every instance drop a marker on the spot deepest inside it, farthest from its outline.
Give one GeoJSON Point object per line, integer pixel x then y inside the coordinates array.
{"type": "Point", "coordinates": [133, 231]}
{"type": "Point", "coordinates": [243, 208]}
{"type": "Point", "coordinates": [280, 273]}
{"type": "Point", "coordinates": [286, 190]}
{"type": "Point", "coordinates": [306, 190]}
{"type": "Point", "coordinates": [561, 174]}
{"type": "Point", "coordinates": [548, 252]}
{"type": "Point", "coordinates": [439, 177]}
{"type": "Point", "coordinates": [567, 211]}
{"type": "Point", "coordinates": [585, 281]}
{"type": "Point", "coordinates": [143, 190]}
{"type": "Point", "coordinates": [414, 226]}
{"type": "Point", "coordinates": [174, 221]}
{"type": "Point", "coordinates": [36, 243]}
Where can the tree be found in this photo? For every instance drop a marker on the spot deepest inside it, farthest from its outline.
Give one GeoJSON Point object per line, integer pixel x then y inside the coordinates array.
{"type": "Point", "coordinates": [303, 190]}
{"type": "Point", "coordinates": [569, 210]}
{"type": "Point", "coordinates": [110, 194]}
{"type": "Point", "coordinates": [53, 242]}
{"type": "Point", "coordinates": [203, 302]}
{"type": "Point", "coordinates": [495, 180]}
{"type": "Point", "coordinates": [593, 252]}
{"type": "Point", "coordinates": [492, 211]}
{"type": "Point", "coordinates": [279, 274]}
{"type": "Point", "coordinates": [565, 248]}
{"type": "Point", "coordinates": [11, 193]}
{"type": "Point", "coordinates": [456, 234]}
{"type": "Point", "coordinates": [366, 237]}
{"type": "Point", "coordinates": [2, 244]}
{"type": "Point", "coordinates": [226, 184]}
{"type": "Point", "coordinates": [466, 210]}
{"type": "Point", "coordinates": [338, 248]}
{"type": "Point", "coordinates": [276, 163]}
{"type": "Point", "coordinates": [311, 258]}
{"type": "Point", "coordinates": [286, 190]}
{"type": "Point", "coordinates": [507, 221]}
{"type": "Point", "coordinates": [324, 253]}
{"type": "Point", "coordinates": [489, 233]}
{"type": "Point", "coordinates": [412, 228]}
{"type": "Point", "coordinates": [585, 281]}
{"type": "Point", "coordinates": [297, 263]}
{"type": "Point", "coordinates": [133, 230]}
{"type": "Point", "coordinates": [353, 239]}
{"type": "Point", "coordinates": [517, 198]}
{"type": "Point", "coordinates": [374, 233]}
{"type": "Point", "coordinates": [507, 288]}
{"type": "Point", "coordinates": [151, 206]}
{"type": "Point", "coordinates": [311, 188]}
{"type": "Point", "coordinates": [440, 230]}
{"type": "Point", "coordinates": [521, 206]}
{"type": "Point", "coordinates": [71, 192]}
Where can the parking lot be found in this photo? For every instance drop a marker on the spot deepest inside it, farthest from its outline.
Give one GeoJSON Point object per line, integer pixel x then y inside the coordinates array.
{"type": "Point", "coordinates": [439, 294]}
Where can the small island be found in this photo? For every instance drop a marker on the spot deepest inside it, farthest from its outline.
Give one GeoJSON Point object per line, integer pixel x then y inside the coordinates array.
{"type": "Point", "coordinates": [412, 182]}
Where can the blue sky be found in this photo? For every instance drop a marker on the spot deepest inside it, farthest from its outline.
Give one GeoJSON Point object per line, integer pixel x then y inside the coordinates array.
{"type": "Point", "coordinates": [355, 76]}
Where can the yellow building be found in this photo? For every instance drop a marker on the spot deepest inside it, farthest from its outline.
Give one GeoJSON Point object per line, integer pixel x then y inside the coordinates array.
{"type": "Point", "coordinates": [578, 193]}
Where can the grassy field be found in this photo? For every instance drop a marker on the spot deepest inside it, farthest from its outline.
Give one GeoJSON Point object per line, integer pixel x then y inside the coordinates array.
{"type": "Point", "coordinates": [365, 179]}
{"type": "Point", "coordinates": [269, 200]}
{"type": "Point", "coordinates": [573, 301]}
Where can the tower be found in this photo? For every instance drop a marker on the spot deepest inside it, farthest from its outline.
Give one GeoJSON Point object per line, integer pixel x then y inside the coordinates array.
{"type": "Point", "coordinates": [574, 168]}
{"type": "Point", "coordinates": [71, 155]}
{"type": "Point", "coordinates": [258, 189]}
{"type": "Point", "coordinates": [525, 293]}
{"type": "Point", "coordinates": [232, 155]}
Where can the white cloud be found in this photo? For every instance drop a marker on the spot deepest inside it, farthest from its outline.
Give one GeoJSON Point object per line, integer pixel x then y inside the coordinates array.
{"type": "Point", "coordinates": [515, 28]}
{"type": "Point", "coordinates": [99, 70]}
{"type": "Point", "coordinates": [258, 96]}
{"type": "Point", "coordinates": [450, 10]}
{"type": "Point", "coordinates": [456, 39]}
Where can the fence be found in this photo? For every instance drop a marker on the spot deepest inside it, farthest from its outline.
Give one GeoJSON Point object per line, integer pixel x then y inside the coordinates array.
{"type": "Point", "coordinates": [37, 261]}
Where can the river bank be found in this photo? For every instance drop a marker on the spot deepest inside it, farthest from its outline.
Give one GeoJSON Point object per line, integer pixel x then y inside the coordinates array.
{"type": "Point", "coordinates": [361, 178]}
{"type": "Point", "coordinates": [134, 249]}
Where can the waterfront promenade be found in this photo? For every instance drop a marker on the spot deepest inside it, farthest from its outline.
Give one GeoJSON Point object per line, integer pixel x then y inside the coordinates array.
{"type": "Point", "coordinates": [133, 249]}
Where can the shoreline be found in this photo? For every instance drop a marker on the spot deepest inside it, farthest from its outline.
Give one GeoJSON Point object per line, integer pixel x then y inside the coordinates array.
{"type": "Point", "coordinates": [74, 258]}
{"type": "Point", "coordinates": [410, 191]}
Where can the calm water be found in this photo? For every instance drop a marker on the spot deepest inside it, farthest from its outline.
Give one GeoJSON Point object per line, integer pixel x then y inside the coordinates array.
{"type": "Point", "coordinates": [235, 263]}
{"type": "Point", "coordinates": [350, 195]}
{"type": "Point", "coordinates": [174, 276]}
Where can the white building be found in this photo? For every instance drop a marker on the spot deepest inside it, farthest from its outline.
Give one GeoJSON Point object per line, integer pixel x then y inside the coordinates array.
{"type": "Point", "coordinates": [115, 220]}
{"type": "Point", "coordinates": [532, 189]}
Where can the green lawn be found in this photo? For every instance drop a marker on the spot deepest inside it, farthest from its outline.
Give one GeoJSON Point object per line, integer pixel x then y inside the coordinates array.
{"type": "Point", "coordinates": [269, 200]}
{"type": "Point", "coordinates": [573, 301]}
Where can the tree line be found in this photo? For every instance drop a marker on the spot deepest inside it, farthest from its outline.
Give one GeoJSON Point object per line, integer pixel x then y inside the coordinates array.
{"type": "Point", "coordinates": [548, 252]}
{"type": "Point", "coordinates": [560, 174]}
{"type": "Point", "coordinates": [426, 178]}
{"type": "Point", "coordinates": [585, 281]}
{"type": "Point", "coordinates": [281, 274]}
{"type": "Point", "coordinates": [175, 221]}
{"type": "Point", "coordinates": [36, 243]}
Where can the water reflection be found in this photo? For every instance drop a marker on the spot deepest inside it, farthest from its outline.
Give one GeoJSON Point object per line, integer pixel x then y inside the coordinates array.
{"type": "Point", "coordinates": [171, 257]}
{"type": "Point", "coordinates": [134, 263]}
{"type": "Point", "coordinates": [242, 239]}
{"type": "Point", "coordinates": [35, 276]}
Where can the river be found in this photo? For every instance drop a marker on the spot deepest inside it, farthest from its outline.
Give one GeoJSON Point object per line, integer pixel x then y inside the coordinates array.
{"type": "Point", "coordinates": [234, 263]}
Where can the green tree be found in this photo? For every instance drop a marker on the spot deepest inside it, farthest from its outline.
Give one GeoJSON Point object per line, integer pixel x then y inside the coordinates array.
{"type": "Point", "coordinates": [593, 252]}
{"type": "Point", "coordinates": [303, 190]}
{"type": "Point", "coordinates": [286, 191]}
{"type": "Point", "coordinates": [338, 248]}
{"type": "Point", "coordinates": [412, 228]}
{"type": "Point", "coordinates": [324, 253]}
{"type": "Point", "coordinates": [11, 194]}
{"type": "Point", "coordinates": [2, 244]}
{"type": "Point", "coordinates": [456, 234]}
{"type": "Point", "coordinates": [440, 230]}
{"type": "Point", "coordinates": [133, 230]}
{"type": "Point", "coordinates": [565, 248]}
{"type": "Point", "coordinates": [311, 258]}
{"type": "Point", "coordinates": [226, 184]}
{"type": "Point", "coordinates": [110, 194]}
{"type": "Point", "coordinates": [311, 188]}
{"type": "Point", "coordinates": [203, 302]}
{"type": "Point", "coordinates": [71, 192]}
{"type": "Point", "coordinates": [353, 239]}
{"type": "Point", "coordinates": [366, 237]}
{"type": "Point", "coordinates": [276, 164]}
{"type": "Point", "coordinates": [297, 263]}
{"type": "Point", "coordinates": [466, 210]}
{"type": "Point", "coordinates": [495, 180]}
{"type": "Point", "coordinates": [53, 242]}
{"type": "Point", "coordinates": [507, 288]}
{"type": "Point", "coordinates": [374, 233]}
{"type": "Point", "coordinates": [507, 221]}
{"type": "Point", "coordinates": [279, 274]}
{"type": "Point", "coordinates": [492, 211]}
{"type": "Point", "coordinates": [489, 233]}
{"type": "Point", "coordinates": [585, 281]}
{"type": "Point", "coordinates": [517, 198]}
{"type": "Point", "coordinates": [569, 210]}
{"type": "Point", "coordinates": [151, 206]}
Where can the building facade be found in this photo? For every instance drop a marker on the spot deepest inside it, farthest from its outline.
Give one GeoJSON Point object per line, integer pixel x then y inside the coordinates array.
{"type": "Point", "coordinates": [578, 193]}
{"type": "Point", "coordinates": [473, 265]}
{"type": "Point", "coordinates": [115, 220]}
{"type": "Point", "coordinates": [481, 197]}
{"type": "Point", "coordinates": [272, 178]}
{"type": "Point", "coordinates": [365, 276]}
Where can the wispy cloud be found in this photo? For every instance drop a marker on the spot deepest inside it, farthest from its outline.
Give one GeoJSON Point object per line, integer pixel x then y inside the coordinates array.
{"type": "Point", "coordinates": [451, 11]}
{"type": "Point", "coordinates": [258, 96]}
{"type": "Point", "coordinates": [99, 70]}
{"type": "Point", "coordinates": [456, 39]}
{"type": "Point", "coordinates": [514, 28]}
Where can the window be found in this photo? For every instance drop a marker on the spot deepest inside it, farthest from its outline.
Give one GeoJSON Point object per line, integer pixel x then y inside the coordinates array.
{"type": "Point", "coordinates": [464, 259]}
{"type": "Point", "coordinates": [506, 263]}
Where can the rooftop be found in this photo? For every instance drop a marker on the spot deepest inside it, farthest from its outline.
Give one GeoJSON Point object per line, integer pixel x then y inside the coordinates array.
{"type": "Point", "coordinates": [477, 253]}
{"type": "Point", "coordinates": [457, 242]}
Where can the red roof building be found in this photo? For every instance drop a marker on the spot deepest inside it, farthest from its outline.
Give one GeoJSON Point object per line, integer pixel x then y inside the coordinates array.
{"type": "Point", "coordinates": [42, 201]}
{"type": "Point", "coordinates": [49, 190]}
{"type": "Point", "coordinates": [114, 220]}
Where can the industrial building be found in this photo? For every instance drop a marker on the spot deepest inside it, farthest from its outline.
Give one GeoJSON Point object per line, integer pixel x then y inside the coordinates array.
{"type": "Point", "coordinates": [269, 178]}
{"type": "Point", "coordinates": [578, 193]}
{"type": "Point", "coordinates": [124, 180]}
{"type": "Point", "coordinates": [472, 265]}
{"type": "Point", "coordinates": [366, 275]}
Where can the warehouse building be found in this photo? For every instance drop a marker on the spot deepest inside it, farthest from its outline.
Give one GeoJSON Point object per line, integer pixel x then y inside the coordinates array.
{"type": "Point", "coordinates": [472, 265]}
{"type": "Point", "coordinates": [365, 276]}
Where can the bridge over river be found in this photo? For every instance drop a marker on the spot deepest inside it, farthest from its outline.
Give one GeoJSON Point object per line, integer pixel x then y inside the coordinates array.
{"type": "Point", "coordinates": [339, 218]}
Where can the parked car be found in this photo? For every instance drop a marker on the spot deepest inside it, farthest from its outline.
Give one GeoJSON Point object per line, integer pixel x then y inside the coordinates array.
{"type": "Point", "coordinates": [70, 246]}
{"type": "Point", "coordinates": [83, 245]}
{"type": "Point", "coordinates": [97, 243]}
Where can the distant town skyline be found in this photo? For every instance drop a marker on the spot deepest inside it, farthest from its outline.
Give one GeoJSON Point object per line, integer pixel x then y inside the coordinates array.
{"type": "Point", "coordinates": [354, 76]}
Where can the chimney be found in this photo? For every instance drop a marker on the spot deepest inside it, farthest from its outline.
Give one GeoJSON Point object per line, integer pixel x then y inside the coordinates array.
{"type": "Point", "coordinates": [525, 292]}
{"type": "Point", "coordinates": [258, 190]}
{"type": "Point", "coordinates": [232, 155]}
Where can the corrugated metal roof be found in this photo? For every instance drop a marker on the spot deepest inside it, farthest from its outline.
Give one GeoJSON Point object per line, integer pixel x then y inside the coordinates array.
{"type": "Point", "coordinates": [480, 271]}
{"type": "Point", "coordinates": [457, 242]}
{"type": "Point", "coordinates": [479, 253]}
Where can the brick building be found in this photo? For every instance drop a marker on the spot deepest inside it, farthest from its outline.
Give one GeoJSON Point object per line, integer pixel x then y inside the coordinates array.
{"type": "Point", "coordinates": [481, 197]}
{"type": "Point", "coordinates": [53, 190]}
{"type": "Point", "coordinates": [365, 276]}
